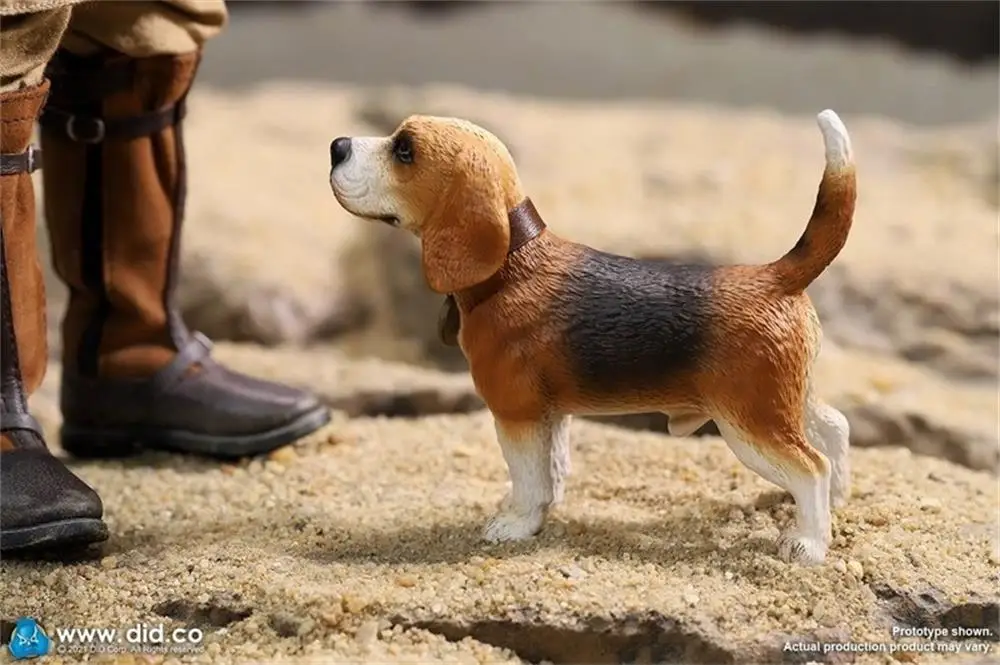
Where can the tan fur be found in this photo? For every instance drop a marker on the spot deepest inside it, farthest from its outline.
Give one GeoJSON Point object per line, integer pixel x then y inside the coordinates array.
{"type": "Point", "coordinates": [824, 236]}
{"type": "Point", "coordinates": [761, 392]}
{"type": "Point", "coordinates": [763, 333]}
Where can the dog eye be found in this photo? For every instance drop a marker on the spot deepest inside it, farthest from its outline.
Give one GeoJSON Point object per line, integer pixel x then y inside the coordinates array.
{"type": "Point", "coordinates": [402, 149]}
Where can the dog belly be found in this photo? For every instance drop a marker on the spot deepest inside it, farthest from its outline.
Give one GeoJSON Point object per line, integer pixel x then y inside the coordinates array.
{"type": "Point", "coordinates": [621, 404]}
{"type": "Point", "coordinates": [683, 419]}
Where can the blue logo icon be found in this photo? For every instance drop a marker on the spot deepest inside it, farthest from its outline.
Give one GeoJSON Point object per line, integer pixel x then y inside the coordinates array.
{"type": "Point", "coordinates": [28, 639]}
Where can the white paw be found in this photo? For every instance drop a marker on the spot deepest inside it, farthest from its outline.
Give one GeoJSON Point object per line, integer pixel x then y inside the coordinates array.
{"type": "Point", "coordinates": [506, 504]}
{"type": "Point", "coordinates": [509, 525]}
{"type": "Point", "coordinates": [794, 547]}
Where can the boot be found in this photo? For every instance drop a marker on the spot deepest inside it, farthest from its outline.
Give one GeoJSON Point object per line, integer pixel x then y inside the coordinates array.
{"type": "Point", "coordinates": [134, 376]}
{"type": "Point", "coordinates": [42, 504]}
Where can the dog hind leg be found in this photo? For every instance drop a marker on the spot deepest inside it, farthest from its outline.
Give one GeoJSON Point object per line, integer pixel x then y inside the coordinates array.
{"type": "Point", "coordinates": [560, 458]}
{"type": "Point", "coordinates": [537, 456]}
{"type": "Point", "coordinates": [829, 431]}
{"type": "Point", "coordinates": [792, 464]}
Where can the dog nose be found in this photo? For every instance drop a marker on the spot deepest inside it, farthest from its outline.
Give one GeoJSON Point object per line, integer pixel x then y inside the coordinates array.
{"type": "Point", "coordinates": [340, 150]}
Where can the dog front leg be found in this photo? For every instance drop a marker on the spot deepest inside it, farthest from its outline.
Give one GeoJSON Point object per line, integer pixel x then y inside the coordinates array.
{"type": "Point", "coordinates": [537, 456]}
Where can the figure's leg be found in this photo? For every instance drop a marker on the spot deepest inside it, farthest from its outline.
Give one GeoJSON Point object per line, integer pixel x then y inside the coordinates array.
{"type": "Point", "coordinates": [537, 456]}
{"type": "Point", "coordinates": [115, 183]}
{"type": "Point", "coordinates": [144, 28]}
{"type": "Point", "coordinates": [828, 430]}
{"type": "Point", "coordinates": [787, 460]}
{"type": "Point", "coordinates": [42, 504]}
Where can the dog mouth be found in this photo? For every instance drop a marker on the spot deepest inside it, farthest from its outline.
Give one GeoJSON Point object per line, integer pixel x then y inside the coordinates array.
{"type": "Point", "coordinates": [391, 220]}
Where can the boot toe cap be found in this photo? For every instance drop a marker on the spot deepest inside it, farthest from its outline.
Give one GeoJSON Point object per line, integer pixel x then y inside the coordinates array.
{"type": "Point", "coordinates": [214, 411]}
{"type": "Point", "coordinates": [262, 404]}
{"type": "Point", "coordinates": [37, 488]}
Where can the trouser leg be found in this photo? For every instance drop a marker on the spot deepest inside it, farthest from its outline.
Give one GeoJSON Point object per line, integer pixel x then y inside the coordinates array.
{"type": "Point", "coordinates": [134, 376]}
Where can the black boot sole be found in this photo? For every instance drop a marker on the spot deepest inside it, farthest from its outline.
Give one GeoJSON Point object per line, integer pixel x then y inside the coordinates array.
{"type": "Point", "coordinates": [93, 443]}
{"type": "Point", "coordinates": [58, 536]}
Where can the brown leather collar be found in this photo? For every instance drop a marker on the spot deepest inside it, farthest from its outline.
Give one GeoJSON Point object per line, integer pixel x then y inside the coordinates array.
{"type": "Point", "coordinates": [525, 225]}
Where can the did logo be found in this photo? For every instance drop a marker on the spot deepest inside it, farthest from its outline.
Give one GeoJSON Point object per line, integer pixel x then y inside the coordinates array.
{"type": "Point", "coordinates": [28, 640]}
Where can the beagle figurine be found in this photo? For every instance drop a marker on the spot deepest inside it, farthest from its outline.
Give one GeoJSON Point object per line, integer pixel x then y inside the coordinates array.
{"type": "Point", "coordinates": [552, 328]}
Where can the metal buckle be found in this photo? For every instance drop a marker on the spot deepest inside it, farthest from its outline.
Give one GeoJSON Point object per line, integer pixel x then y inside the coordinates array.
{"type": "Point", "coordinates": [202, 339]}
{"type": "Point", "coordinates": [97, 123]}
{"type": "Point", "coordinates": [33, 158]}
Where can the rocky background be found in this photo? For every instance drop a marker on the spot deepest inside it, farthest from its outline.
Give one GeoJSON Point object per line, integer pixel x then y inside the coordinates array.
{"type": "Point", "coordinates": [636, 131]}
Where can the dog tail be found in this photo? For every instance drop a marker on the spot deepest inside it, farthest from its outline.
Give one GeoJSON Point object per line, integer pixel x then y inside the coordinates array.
{"type": "Point", "coordinates": [826, 233]}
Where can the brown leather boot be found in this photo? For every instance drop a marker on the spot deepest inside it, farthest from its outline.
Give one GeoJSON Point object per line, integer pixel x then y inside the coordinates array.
{"type": "Point", "coordinates": [42, 504]}
{"type": "Point", "coordinates": [133, 375]}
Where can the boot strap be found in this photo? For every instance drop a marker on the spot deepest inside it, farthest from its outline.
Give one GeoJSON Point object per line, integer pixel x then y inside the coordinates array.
{"type": "Point", "coordinates": [28, 161]}
{"type": "Point", "coordinates": [84, 128]}
{"type": "Point", "coordinates": [197, 350]}
{"type": "Point", "coordinates": [15, 421]}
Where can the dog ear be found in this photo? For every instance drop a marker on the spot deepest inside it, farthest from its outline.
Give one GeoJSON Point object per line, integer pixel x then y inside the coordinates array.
{"type": "Point", "coordinates": [465, 240]}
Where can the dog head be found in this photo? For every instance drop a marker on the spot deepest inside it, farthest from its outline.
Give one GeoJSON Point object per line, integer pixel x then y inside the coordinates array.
{"type": "Point", "coordinates": [447, 181]}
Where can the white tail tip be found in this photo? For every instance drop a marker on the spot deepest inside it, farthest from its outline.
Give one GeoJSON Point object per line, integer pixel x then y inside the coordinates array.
{"type": "Point", "coordinates": [836, 139]}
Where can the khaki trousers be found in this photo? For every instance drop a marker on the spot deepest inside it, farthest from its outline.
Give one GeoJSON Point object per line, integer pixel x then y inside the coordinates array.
{"type": "Point", "coordinates": [32, 30]}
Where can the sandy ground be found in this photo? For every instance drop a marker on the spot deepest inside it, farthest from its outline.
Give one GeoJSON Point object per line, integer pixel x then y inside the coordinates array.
{"type": "Point", "coordinates": [361, 544]}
